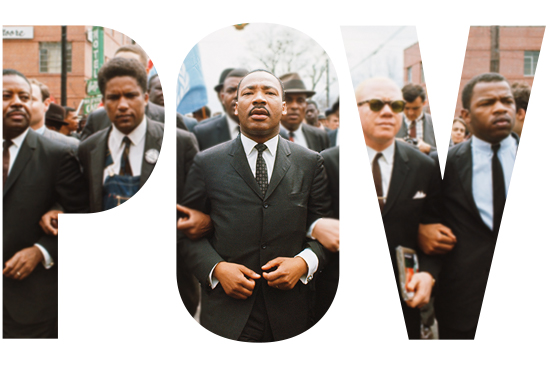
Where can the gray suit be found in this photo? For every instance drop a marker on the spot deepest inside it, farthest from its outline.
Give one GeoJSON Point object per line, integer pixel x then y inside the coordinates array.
{"type": "Point", "coordinates": [67, 140]}
{"type": "Point", "coordinates": [427, 130]}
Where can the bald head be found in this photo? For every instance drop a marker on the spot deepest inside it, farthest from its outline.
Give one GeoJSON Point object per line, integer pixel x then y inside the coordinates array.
{"type": "Point", "coordinates": [379, 127]}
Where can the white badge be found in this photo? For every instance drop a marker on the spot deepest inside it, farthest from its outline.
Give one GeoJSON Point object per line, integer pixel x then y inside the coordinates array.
{"type": "Point", "coordinates": [151, 156]}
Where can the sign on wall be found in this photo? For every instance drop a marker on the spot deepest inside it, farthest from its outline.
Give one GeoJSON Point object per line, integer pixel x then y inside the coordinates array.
{"type": "Point", "coordinates": [22, 33]}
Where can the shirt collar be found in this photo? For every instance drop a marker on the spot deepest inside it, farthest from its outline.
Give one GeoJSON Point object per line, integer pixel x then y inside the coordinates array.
{"type": "Point", "coordinates": [249, 144]}
{"type": "Point", "coordinates": [417, 120]}
{"type": "Point", "coordinates": [136, 136]}
{"type": "Point", "coordinates": [387, 153]}
{"type": "Point", "coordinates": [40, 130]}
{"type": "Point", "coordinates": [17, 141]}
{"type": "Point", "coordinates": [481, 145]}
{"type": "Point", "coordinates": [232, 124]}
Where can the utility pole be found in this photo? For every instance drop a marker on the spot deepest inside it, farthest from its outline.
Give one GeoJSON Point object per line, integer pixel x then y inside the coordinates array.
{"type": "Point", "coordinates": [495, 52]}
{"type": "Point", "coordinates": [328, 84]}
{"type": "Point", "coordinates": [63, 65]}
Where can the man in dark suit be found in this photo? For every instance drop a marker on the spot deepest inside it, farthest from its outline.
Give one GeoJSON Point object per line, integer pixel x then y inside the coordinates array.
{"type": "Point", "coordinates": [407, 184]}
{"type": "Point", "coordinates": [263, 193]}
{"type": "Point", "coordinates": [476, 181]}
{"type": "Point", "coordinates": [299, 131]}
{"type": "Point", "coordinates": [220, 129]}
{"type": "Point", "coordinates": [417, 123]}
{"type": "Point", "coordinates": [37, 173]}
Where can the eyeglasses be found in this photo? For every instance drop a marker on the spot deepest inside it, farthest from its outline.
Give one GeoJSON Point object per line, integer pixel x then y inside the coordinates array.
{"type": "Point", "coordinates": [376, 105]}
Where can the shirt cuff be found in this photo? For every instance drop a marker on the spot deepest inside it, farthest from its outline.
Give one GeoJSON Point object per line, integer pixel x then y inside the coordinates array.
{"type": "Point", "coordinates": [312, 263]}
{"type": "Point", "coordinates": [48, 261]}
{"type": "Point", "coordinates": [212, 279]}
{"type": "Point", "coordinates": [309, 233]}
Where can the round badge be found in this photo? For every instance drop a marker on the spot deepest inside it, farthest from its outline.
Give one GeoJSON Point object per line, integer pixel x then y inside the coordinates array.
{"type": "Point", "coordinates": [151, 156]}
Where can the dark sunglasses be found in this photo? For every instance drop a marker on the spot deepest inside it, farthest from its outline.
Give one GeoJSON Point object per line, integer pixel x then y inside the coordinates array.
{"type": "Point", "coordinates": [376, 105]}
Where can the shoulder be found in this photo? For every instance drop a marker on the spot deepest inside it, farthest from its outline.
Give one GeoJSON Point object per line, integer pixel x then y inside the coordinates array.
{"type": "Point", "coordinates": [313, 130]}
{"type": "Point", "coordinates": [458, 150]}
{"type": "Point", "coordinates": [413, 155]}
{"type": "Point", "coordinates": [154, 127]}
{"type": "Point", "coordinates": [209, 124]}
{"type": "Point", "coordinates": [331, 153]}
{"type": "Point", "coordinates": [52, 148]}
{"type": "Point", "coordinates": [186, 136]}
{"type": "Point", "coordinates": [155, 109]}
{"type": "Point", "coordinates": [298, 152]}
{"type": "Point", "coordinates": [96, 138]}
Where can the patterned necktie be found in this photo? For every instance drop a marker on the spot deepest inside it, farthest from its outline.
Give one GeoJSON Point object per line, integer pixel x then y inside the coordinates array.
{"type": "Point", "coordinates": [377, 176]}
{"type": "Point", "coordinates": [412, 129]}
{"type": "Point", "coordinates": [290, 136]}
{"type": "Point", "coordinates": [6, 160]}
{"type": "Point", "coordinates": [499, 192]}
{"type": "Point", "coordinates": [261, 168]}
{"type": "Point", "coordinates": [125, 168]}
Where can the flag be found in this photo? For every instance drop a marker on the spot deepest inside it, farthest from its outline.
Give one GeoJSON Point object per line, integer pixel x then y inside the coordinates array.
{"type": "Point", "coordinates": [191, 90]}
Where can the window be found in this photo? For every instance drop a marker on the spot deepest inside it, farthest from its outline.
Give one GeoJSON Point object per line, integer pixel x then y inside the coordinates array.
{"type": "Point", "coordinates": [410, 74]}
{"type": "Point", "coordinates": [50, 57]}
{"type": "Point", "coordinates": [530, 60]}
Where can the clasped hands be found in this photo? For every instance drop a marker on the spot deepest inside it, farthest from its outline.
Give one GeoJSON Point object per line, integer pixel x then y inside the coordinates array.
{"type": "Point", "coordinates": [238, 281]}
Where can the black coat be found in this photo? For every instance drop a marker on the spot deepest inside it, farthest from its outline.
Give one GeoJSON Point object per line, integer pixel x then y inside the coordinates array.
{"type": "Point", "coordinates": [252, 230]}
{"type": "Point", "coordinates": [44, 173]}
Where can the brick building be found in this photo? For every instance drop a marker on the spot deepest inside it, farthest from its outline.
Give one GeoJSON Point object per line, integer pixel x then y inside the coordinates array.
{"type": "Point", "coordinates": [513, 51]}
{"type": "Point", "coordinates": [36, 52]}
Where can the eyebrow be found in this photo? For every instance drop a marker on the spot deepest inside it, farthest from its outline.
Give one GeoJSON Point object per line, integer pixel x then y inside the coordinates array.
{"type": "Point", "coordinates": [262, 86]}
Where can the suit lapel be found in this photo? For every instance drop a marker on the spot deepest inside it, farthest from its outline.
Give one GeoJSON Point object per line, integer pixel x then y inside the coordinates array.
{"type": "Point", "coordinates": [280, 167]}
{"type": "Point", "coordinates": [97, 165]}
{"type": "Point", "coordinates": [240, 163]}
{"type": "Point", "coordinates": [309, 137]}
{"type": "Point", "coordinates": [398, 177]}
{"type": "Point", "coordinates": [223, 129]}
{"type": "Point", "coordinates": [464, 163]}
{"type": "Point", "coordinates": [25, 154]}
{"type": "Point", "coordinates": [152, 141]}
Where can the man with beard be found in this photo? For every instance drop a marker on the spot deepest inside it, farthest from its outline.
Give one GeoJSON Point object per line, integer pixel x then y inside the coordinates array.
{"type": "Point", "coordinates": [296, 102]}
{"type": "Point", "coordinates": [37, 173]}
{"type": "Point", "coordinates": [263, 193]}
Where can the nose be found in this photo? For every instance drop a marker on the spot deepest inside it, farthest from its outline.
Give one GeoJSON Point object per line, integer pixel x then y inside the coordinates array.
{"type": "Point", "coordinates": [259, 98]}
{"type": "Point", "coordinates": [386, 110]}
{"type": "Point", "coordinates": [123, 104]}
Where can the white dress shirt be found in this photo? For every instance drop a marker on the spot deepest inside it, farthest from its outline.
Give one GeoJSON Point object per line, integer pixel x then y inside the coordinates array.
{"type": "Point", "coordinates": [137, 147]}
{"type": "Point", "coordinates": [234, 128]}
{"type": "Point", "coordinates": [419, 127]}
{"type": "Point", "coordinates": [269, 157]}
{"type": "Point", "coordinates": [14, 151]}
{"type": "Point", "coordinates": [482, 173]}
{"type": "Point", "coordinates": [299, 137]}
{"type": "Point", "coordinates": [386, 165]}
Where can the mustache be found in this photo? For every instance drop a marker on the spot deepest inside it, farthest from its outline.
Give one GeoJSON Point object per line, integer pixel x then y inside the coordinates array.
{"type": "Point", "coordinates": [258, 108]}
{"type": "Point", "coordinates": [14, 110]}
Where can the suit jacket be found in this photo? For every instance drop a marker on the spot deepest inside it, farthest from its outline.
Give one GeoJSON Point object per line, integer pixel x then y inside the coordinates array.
{"type": "Point", "coordinates": [212, 131]}
{"type": "Point", "coordinates": [465, 269]}
{"type": "Point", "coordinates": [427, 130]}
{"type": "Point", "coordinates": [44, 173]}
{"type": "Point", "coordinates": [332, 136]}
{"type": "Point", "coordinates": [317, 139]}
{"type": "Point", "coordinates": [68, 140]}
{"type": "Point", "coordinates": [251, 230]}
{"type": "Point", "coordinates": [91, 154]}
{"type": "Point", "coordinates": [98, 120]}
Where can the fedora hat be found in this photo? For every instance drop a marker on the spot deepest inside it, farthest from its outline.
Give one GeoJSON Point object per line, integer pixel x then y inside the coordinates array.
{"type": "Point", "coordinates": [223, 75]}
{"type": "Point", "coordinates": [55, 116]}
{"type": "Point", "coordinates": [294, 84]}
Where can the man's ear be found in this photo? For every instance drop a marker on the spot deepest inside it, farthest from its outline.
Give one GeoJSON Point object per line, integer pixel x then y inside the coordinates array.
{"type": "Point", "coordinates": [465, 114]}
{"type": "Point", "coordinates": [284, 108]}
{"type": "Point", "coordinates": [236, 107]}
{"type": "Point", "coordinates": [47, 103]}
{"type": "Point", "coordinates": [520, 114]}
{"type": "Point", "coordinates": [146, 97]}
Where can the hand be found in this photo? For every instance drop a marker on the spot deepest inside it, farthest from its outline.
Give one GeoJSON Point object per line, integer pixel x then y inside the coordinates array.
{"type": "Point", "coordinates": [421, 284]}
{"type": "Point", "coordinates": [236, 280]}
{"type": "Point", "coordinates": [23, 263]}
{"type": "Point", "coordinates": [49, 222]}
{"type": "Point", "coordinates": [424, 147]}
{"type": "Point", "coordinates": [196, 225]}
{"type": "Point", "coordinates": [435, 239]}
{"type": "Point", "coordinates": [288, 272]}
{"type": "Point", "coordinates": [327, 232]}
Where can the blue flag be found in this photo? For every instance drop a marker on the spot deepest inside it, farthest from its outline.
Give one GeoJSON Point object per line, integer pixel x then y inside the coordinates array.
{"type": "Point", "coordinates": [191, 91]}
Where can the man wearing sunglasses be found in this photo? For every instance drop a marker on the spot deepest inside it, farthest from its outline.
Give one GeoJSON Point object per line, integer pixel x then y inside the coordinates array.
{"type": "Point", "coordinates": [406, 183]}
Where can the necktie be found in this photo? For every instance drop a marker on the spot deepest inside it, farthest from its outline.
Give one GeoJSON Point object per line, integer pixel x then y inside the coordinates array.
{"type": "Point", "coordinates": [125, 168]}
{"type": "Point", "coordinates": [6, 160]}
{"type": "Point", "coordinates": [412, 129]}
{"type": "Point", "coordinates": [499, 192]}
{"type": "Point", "coordinates": [377, 176]}
{"type": "Point", "coordinates": [261, 168]}
{"type": "Point", "coordinates": [290, 136]}
{"type": "Point", "coordinates": [239, 129]}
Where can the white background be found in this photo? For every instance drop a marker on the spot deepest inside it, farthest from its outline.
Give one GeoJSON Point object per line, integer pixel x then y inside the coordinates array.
{"type": "Point", "coordinates": [118, 300]}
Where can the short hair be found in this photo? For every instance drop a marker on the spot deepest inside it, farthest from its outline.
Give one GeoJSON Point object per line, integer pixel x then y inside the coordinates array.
{"type": "Point", "coordinates": [265, 71]}
{"type": "Point", "coordinates": [521, 92]}
{"type": "Point", "coordinates": [150, 80]}
{"type": "Point", "coordinates": [122, 67]}
{"type": "Point", "coordinates": [43, 88]}
{"type": "Point", "coordinates": [137, 50]}
{"type": "Point", "coordinates": [6, 72]}
{"type": "Point", "coordinates": [311, 101]}
{"type": "Point", "coordinates": [68, 109]}
{"type": "Point", "coordinates": [459, 119]}
{"type": "Point", "coordinates": [481, 78]}
{"type": "Point", "coordinates": [412, 91]}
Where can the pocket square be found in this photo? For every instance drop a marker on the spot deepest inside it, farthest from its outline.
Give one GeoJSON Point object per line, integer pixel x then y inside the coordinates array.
{"type": "Point", "coordinates": [419, 195]}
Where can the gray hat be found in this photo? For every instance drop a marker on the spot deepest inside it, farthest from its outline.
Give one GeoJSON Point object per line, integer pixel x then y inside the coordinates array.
{"type": "Point", "coordinates": [223, 75]}
{"type": "Point", "coordinates": [294, 84]}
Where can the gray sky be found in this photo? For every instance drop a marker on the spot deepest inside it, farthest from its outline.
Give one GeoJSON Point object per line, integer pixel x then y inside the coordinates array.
{"type": "Point", "coordinates": [361, 42]}
{"type": "Point", "coordinates": [229, 47]}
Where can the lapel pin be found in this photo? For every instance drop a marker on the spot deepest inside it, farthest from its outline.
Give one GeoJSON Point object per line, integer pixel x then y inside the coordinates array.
{"type": "Point", "coordinates": [151, 156]}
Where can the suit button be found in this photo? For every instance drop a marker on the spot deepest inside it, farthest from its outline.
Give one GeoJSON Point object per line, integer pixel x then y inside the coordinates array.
{"type": "Point", "coordinates": [265, 205]}
{"type": "Point", "coordinates": [264, 247]}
